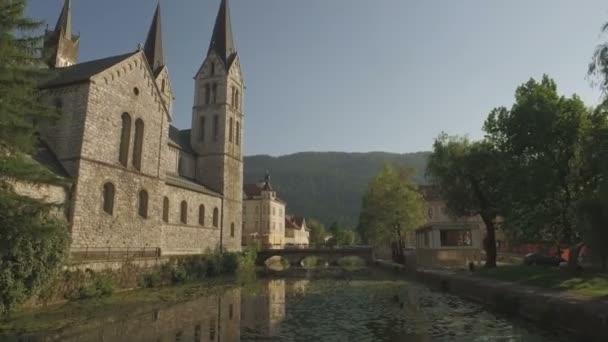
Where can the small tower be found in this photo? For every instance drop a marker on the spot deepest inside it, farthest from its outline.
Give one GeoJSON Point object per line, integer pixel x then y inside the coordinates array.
{"type": "Point", "coordinates": [60, 44]}
{"type": "Point", "coordinates": [155, 55]}
{"type": "Point", "coordinates": [217, 125]}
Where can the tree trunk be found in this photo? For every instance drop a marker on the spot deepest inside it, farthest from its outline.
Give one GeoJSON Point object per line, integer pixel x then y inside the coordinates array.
{"type": "Point", "coordinates": [575, 251]}
{"type": "Point", "coordinates": [490, 243]}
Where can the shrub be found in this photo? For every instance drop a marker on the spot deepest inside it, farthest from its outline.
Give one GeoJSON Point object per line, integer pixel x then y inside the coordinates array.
{"type": "Point", "coordinates": [99, 285]}
{"type": "Point", "coordinates": [153, 279]}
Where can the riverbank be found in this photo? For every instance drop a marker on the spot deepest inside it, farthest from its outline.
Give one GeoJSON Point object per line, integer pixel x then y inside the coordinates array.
{"type": "Point", "coordinates": [586, 318]}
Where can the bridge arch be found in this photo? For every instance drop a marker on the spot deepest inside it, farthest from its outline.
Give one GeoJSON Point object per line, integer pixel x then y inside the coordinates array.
{"type": "Point", "coordinates": [331, 255]}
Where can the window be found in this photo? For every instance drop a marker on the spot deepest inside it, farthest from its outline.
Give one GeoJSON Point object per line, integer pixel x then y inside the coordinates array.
{"type": "Point", "coordinates": [201, 129]}
{"type": "Point", "coordinates": [207, 94]}
{"type": "Point", "coordinates": [139, 143]}
{"type": "Point", "coordinates": [236, 100]}
{"type": "Point", "coordinates": [216, 217]}
{"type": "Point", "coordinates": [162, 88]}
{"type": "Point", "coordinates": [216, 124]}
{"type": "Point", "coordinates": [232, 229]}
{"type": "Point", "coordinates": [143, 204]}
{"type": "Point", "coordinates": [455, 238]}
{"type": "Point", "coordinates": [178, 336]}
{"type": "Point", "coordinates": [230, 129]}
{"type": "Point", "coordinates": [166, 209]}
{"type": "Point", "coordinates": [233, 95]}
{"type": "Point", "coordinates": [108, 198]}
{"type": "Point", "coordinates": [125, 137]}
{"type": "Point", "coordinates": [212, 329]}
{"type": "Point", "coordinates": [197, 332]}
{"type": "Point", "coordinates": [212, 68]}
{"type": "Point", "coordinates": [136, 91]}
{"type": "Point", "coordinates": [430, 213]}
{"type": "Point", "coordinates": [201, 215]}
{"type": "Point", "coordinates": [214, 93]}
{"type": "Point", "coordinates": [184, 212]}
{"type": "Point", "coordinates": [238, 133]}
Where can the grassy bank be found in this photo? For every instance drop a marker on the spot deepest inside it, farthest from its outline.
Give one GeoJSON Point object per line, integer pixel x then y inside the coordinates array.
{"type": "Point", "coordinates": [588, 284]}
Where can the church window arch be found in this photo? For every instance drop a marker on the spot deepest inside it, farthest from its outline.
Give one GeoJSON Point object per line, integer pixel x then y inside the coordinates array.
{"type": "Point", "coordinates": [108, 198]}
{"type": "Point", "coordinates": [118, 73]}
{"type": "Point", "coordinates": [231, 130]}
{"type": "Point", "coordinates": [125, 137]}
{"type": "Point", "coordinates": [201, 215]}
{"type": "Point", "coordinates": [216, 217]}
{"type": "Point", "coordinates": [214, 93]}
{"type": "Point", "coordinates": [138, 144]}
{"type": "Point", "coordinates": [216, 127]}
{"type": "Point", "coordinates": [212, 68]}
{"type": "Point", "coordinates": [143, 204]}
{"type": "Point", "coordinates": [166, 209]}
{"type": "Point", "coordinates": [238, 133]}
{"type": "Point", "coordinates": [184, 212]}
{"type": "Point", "coordinates": [232, 229]}
{"type": "Point", "coordinates": [163, 85]}
{"type": "Point", "coordinates": [236, 99]}
{"type": "Point", "coordinates": [207, 94]}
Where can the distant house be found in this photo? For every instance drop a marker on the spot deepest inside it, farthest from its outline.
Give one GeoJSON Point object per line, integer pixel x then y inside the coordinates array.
{"type": "Point", "coordinates": [263, 215]}
{"type": "Point", "coordinates": [444, 240]}
{"type": "Point", "coordinates": [296, 232]}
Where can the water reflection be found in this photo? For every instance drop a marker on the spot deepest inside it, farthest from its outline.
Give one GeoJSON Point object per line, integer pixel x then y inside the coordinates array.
{"type": "Point", "coordinates": [325, 309]}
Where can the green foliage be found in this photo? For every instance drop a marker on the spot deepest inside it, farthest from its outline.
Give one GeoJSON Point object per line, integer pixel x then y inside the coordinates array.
{"type": "Point", "coordinates": [317, 232]}
{"type": "Point", "coordinates": [391, 207]}
{"type": "Point", "coordinates": [342, 236]}
{"type": "Point", "coordinates": [541, 136]}
{"type": "Point", "coordinates": [97, 285]}
{"type": "Point", "coordinates": [469, 177]}
{"type": "Point", "coordinates": [327, 186]}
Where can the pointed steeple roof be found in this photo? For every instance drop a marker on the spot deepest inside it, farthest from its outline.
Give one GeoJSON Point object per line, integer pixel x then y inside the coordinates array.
{"type": "Point", "coordinates": [64, 23]}
{"type": "Point", "coordinates": [222, 42]}
{"type": "Point", "coordinates": [154, 44]}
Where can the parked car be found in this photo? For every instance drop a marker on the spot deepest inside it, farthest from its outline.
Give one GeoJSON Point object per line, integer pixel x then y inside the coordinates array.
{"type": "Point", "coordinates": [542, 260]}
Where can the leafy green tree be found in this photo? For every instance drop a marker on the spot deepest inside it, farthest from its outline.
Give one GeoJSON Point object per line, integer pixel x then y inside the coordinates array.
{"type": "Point", "coordinates": [541, 136]}
{"type": "Point", "coordinates": [468, 177]}
{"type": "Point", "coordinates": [317, 232]}
{"type": "Point", "coordinates": [391, 207]}
{"type": "Point", "coordinates": [33, 244]}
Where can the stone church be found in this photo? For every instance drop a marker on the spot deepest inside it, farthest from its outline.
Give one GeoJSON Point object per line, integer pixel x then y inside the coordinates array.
{"type": "Point", "coordinates": [139, 183]}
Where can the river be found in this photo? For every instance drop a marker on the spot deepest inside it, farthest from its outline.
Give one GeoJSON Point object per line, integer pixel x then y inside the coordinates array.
{"type": "Point", "coordinates": [364, 305]}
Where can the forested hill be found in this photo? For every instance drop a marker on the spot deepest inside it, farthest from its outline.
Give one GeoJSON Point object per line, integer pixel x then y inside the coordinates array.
{"type": "Point", "coordinates": [326, 185]}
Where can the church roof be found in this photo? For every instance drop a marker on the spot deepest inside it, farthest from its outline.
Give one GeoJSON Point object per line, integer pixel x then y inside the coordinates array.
{"type": "Point", "coordinates": [83, 72]}
{"type": "Point", "coordinates": [153, 49]}
{"type": "Point", "coordinates": [222, 42]}
{"type": "Point", "coordinates": [185, 183]}
{"type": "Point", "coordinates": [180, 138]}
{"type": "Point", "coordinates": [290, 224]}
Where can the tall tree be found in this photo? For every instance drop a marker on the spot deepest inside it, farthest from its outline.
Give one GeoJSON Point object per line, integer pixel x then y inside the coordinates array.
{"type": "Point", "coordinates": [33, 243]}
{"type": "Point", "coordinates": [317, 232]}
{"type": "Point", "coordinates": [468, 176]}
{"type": "Point", "coordinates": [391, 207]}
{"type": "Point", "coordinates": [541, 137]}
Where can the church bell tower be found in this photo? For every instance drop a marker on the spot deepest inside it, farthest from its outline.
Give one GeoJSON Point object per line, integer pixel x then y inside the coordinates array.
{"type": "Point", "coordinates": [217, 126]}
{"type": "Point", "coordinates": [60, 44]}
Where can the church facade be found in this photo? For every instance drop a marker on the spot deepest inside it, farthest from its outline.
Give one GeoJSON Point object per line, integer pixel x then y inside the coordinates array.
{"type": "Point", "coordinates": [137, 181]}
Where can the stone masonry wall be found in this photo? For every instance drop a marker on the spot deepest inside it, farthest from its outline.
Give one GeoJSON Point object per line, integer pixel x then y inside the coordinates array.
{"type": "Point", "coordinates": [190, 238]}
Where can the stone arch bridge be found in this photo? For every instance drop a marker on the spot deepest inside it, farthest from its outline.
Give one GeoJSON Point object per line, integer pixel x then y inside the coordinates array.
{"type": "Point", "coordinates": [295, 256]}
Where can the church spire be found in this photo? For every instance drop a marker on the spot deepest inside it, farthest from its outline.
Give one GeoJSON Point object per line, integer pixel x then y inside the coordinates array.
{"type": "Point", "coordinates": [64, 23]}
{"type": "Point", "coordinates": [222, 42]}
{"type": "Point", "coordinates": [154, 44]}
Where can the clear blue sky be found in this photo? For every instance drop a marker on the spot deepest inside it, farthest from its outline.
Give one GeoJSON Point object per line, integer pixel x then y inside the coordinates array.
{"type": "Point", "coordinates": [359, 75]}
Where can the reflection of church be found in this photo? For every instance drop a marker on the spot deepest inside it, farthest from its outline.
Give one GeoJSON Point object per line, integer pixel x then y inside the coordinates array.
{"type": "Point", "coordinates": [263, 313]}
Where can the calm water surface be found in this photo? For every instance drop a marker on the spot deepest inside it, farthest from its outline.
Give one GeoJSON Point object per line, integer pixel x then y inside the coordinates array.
{"type": "Point", "coordinates": [345, 307]}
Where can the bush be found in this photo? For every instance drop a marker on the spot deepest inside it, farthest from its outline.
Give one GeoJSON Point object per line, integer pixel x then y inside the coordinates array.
{"type": "Point", "coordinates": [150, 280]}
{"type": "Point", "coordinates": [230, 263]}
{"type": "Point", "coordinates": [99, 285]}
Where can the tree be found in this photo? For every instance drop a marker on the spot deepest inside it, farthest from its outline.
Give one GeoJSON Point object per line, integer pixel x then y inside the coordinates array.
{"type": "Point", "coordinates": [342, 235]}
{"type": "Point", "coordinates": [391, 207]}
{"type": "Point", "coordinates": [541, 138]}
{"type": "Point", "coordinates": [317, 232]}
{"type": "Point", "coordinates": [33, 243]}
{"type": "Point", "coordinates": [468, 177]}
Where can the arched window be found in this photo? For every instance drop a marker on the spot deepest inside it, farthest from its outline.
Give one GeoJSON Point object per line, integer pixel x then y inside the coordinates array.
{"type": "Point", "coordinates": [232, 229]}
{"type": "Point", "coordinates": [166, 209]}
{"type": "Point", "coordinates": [230, 129]}
{"type": "Point", "coordinates": [236, 99]}
{"type": "Point", "coordinates": [216, 127]}
{"type": "Point", "coordinates": [201, 129]}
{"type": "Point", "coordinates": [108, 198]}
{"type": "Point", "coordinates": [139, 143]}
{"type": "Point", "coordinates": [184, 212]}
{"type": "Point", "coordinates": [201, 215]}
{"type": "Point", "coordinates": [125, 137]}
{"type": "Point", "coordinates": [207, 94]}
{"type": "Point", "coordinates": [212, 68]}
{"type": "Point", "coordinates": [216, 217]}
{"type": "Point", "coordinates": [162, 88]}
{"type": "Point", "coordinates": [214, 93]}
{"type": "Point", "coordinates": [143, 204]}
